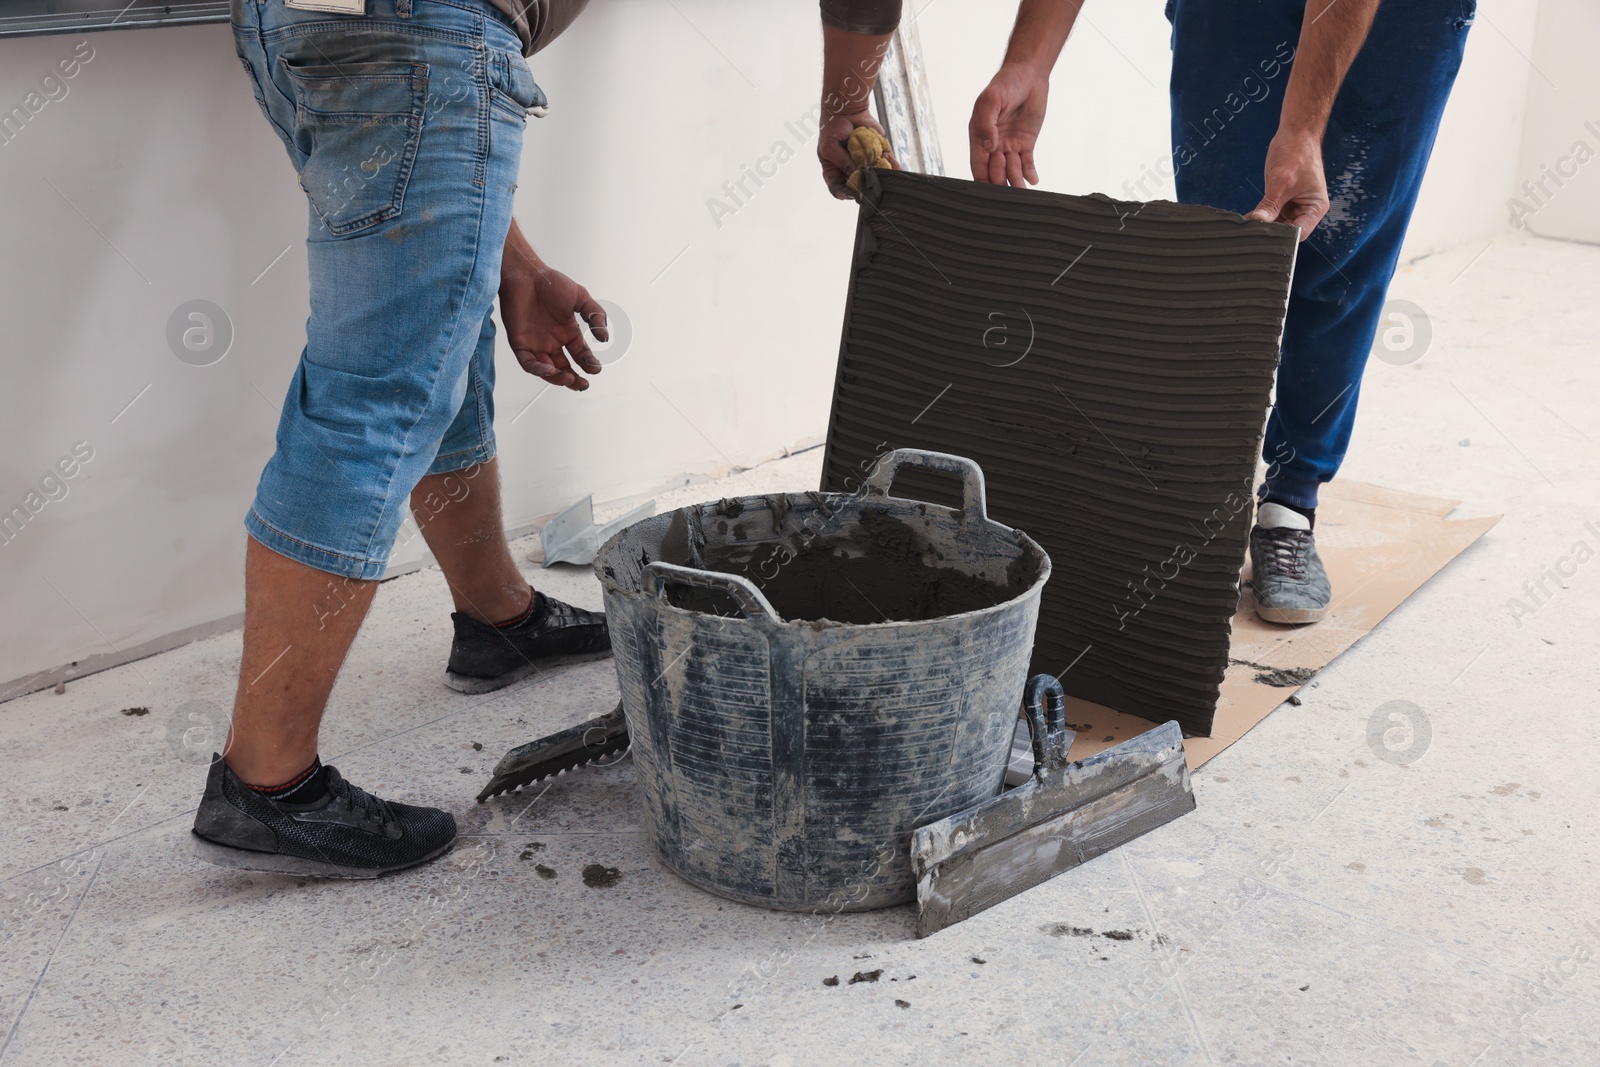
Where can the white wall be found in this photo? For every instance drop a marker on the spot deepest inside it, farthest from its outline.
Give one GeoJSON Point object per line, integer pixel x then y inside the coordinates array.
{"type": "Point", "coordinates": [149, 184]}
{"type": "Point", "coordinates": [155, 181]}
{"type": "Point", "coordinates": [1561, 144]}
{"type": "Point", "coordinates": [733, 345]}
{"type": "Point", "coordinates": [1108, 119]}
{"type": "Point", "coordinates": [1475, 158]}
{"type": "Point", "coordinates": [185, 194]}
{"type": "Point", "coordinates": [1108, 125]}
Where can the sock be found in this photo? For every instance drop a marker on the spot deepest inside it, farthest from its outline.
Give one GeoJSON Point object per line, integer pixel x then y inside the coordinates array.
{"type": "Point", "coordinates": [534, 611]}
{"type": "Point", "coordinates": [310, 784]}
{"type": "Point", "coordinates": [1276, 515]}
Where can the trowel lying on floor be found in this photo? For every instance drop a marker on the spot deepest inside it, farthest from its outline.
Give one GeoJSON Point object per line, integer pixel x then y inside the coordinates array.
{"type": "Point", "coordinates": [574, 747]}
{"type": "Point", "coordinates": [1067, 814]}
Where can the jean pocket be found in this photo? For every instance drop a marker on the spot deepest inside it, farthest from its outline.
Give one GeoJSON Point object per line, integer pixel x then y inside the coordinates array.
{"type": "Point", "coordinates": [266, 109]}
{"type": "Point", "coordinates": [255, 86]}
{"type": "Point", "coordinates": [357, 126]}
{"type": "Point", "coordinates": [511, 85]}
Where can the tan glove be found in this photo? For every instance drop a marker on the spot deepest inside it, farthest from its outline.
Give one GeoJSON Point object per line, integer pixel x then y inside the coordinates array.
{"type": "Point", "coordinates": [867, 148]}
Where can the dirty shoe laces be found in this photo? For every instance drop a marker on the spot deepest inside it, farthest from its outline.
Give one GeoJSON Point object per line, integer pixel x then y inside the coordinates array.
{"type": "Point", "coordinates": [1286, 552]}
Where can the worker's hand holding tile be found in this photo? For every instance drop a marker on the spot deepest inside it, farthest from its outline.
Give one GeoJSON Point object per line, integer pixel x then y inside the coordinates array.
{"type": "Point", "coordinates": [1297, 189]}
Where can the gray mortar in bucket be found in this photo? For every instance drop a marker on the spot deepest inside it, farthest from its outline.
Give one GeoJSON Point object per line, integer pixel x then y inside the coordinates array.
{"type": "Point", "coordinates": [809, 677]}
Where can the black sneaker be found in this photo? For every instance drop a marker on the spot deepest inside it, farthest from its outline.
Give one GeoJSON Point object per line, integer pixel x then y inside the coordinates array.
{"type": "Point", "coordinates": [484, 658]}
{"type": "Point", "coordinates": [1286, 572]}
{"type": "Point", "coordinates": [349, 833]}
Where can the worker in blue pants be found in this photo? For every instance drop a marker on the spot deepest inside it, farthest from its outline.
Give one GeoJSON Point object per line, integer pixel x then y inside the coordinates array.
{"type": "Point", "coordinates": [1375, 145]}
{"type": "Point", "coordinates": [1319, 113]}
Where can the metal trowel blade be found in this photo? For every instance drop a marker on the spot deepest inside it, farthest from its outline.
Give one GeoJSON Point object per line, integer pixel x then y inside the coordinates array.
{"type": "Point", "coordinates": [1065, 816]}
{"type": "Point", "coordinates": [573, 747]}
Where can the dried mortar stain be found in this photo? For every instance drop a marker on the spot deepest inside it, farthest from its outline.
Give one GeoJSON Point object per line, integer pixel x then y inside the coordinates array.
{"type": "Point", "coordinates": [599, 876]}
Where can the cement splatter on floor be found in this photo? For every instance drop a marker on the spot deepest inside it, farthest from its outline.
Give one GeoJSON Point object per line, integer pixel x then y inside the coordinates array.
{"type": "Point", "coordinates": [598, 876]}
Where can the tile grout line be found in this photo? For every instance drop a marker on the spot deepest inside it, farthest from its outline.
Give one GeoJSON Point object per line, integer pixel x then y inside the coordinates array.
{"type": "Point", "coordinates": [1177, 984]}
{"type": "Point", "coordinates": [189, 811]}
{"type": "Point", "coordinates": [1376, 925]}
{"type": "Point", "coordinates": [557, 833]}
{"type": "Point", "coordinates": [17, 1022]}
{"type": "Point", "coordinates": [99, 844]}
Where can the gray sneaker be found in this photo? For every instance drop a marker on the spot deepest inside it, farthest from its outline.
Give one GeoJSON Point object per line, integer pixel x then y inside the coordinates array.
{"type": "Point", "coordinates": [349, 833]}
{"type": "Point", "coordinates": [1287, 574]}
{"type": "Point", "coordinates": [485, 658]}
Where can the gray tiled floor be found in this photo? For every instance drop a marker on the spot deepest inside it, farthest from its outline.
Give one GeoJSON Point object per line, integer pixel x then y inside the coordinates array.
{"type": "Point", "coordinates": [1322, 905]}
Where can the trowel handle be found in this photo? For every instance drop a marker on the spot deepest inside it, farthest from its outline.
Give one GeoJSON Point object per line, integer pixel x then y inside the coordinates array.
{"type": "Point", "coordinates": [974, 505]}
{"type": "Point", "coordinates": [658, 576]}
{"type": "Point", "coordinates": [1046, 705]}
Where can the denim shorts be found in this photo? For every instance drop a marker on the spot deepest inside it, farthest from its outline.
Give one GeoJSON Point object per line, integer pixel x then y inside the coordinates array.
{"type": "Point", "coordinates": [404, 124]}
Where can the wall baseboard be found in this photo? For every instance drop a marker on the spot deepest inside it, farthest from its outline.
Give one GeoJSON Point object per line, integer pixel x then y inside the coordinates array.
{"type": "Point", "coordinates": [104, 661]}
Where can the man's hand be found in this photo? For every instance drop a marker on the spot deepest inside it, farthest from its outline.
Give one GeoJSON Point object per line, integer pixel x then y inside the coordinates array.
{"type": "Point", "coordinates": [1005, 126]}
{"type": "Point", "coordinates": [1009, 114]}
{"type": "Point", "coordinates": [1297, 189]}
{"type": "Point", "coordinates": [837, 165]}
{"type": "Point", "coordinates": [540, 307]}
{"type": "Point", "coordinates": [850, 63]}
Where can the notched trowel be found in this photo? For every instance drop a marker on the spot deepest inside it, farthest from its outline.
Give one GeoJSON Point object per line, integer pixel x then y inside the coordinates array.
{"type": "Point", "coordinates": [1067, 814]}
{"type": "Point", "coordinates": [567, 750]}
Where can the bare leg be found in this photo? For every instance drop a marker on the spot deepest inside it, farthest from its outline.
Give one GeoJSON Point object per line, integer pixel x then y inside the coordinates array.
{"type": "Point", "coordinates": [459, 515]}
{"type": "Point", "coordinates": [299, 623]}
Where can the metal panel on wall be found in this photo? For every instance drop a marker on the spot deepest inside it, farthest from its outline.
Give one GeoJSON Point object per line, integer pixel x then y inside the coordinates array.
{"type": "Point", "coordinates": [27, 18]}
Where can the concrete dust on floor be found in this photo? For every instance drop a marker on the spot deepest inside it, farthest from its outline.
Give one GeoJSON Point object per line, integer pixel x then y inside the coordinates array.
{"type": "Point", "coordinates": [1324, 904]}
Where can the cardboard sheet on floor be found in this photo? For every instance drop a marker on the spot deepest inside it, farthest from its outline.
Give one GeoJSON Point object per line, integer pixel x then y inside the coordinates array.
{"type": "Point", "coordinates": [1379, 545]}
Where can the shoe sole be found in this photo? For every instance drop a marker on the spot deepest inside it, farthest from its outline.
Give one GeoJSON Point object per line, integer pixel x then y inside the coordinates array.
{"type": "Point", "coordinates": [1291, 616]}
{"type": "Point", "coordinates": [466, 683]}
{"type": "Point", "coordinates": [243, 859]}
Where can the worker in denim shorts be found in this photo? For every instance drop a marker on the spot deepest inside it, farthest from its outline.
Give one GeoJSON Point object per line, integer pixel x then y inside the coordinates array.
{"type": "Point", "coordinates": [404, 121]}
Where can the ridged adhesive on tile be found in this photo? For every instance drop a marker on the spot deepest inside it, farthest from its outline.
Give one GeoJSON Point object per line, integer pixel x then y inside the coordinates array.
{"type": "Point", "coordinates": [1109, 365]}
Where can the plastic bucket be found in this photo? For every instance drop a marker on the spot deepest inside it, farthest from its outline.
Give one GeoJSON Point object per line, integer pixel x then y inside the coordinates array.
{"type": "Point", "coordinates": [809, 677]}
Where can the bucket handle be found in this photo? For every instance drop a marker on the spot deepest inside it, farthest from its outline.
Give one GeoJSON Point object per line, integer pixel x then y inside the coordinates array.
{"type": "Point", "coordinates": [1046, 705]}
{"type": "Point", "coordinates": [658, 576]}
{"type": "Point", "coordinates": [974, 500]}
